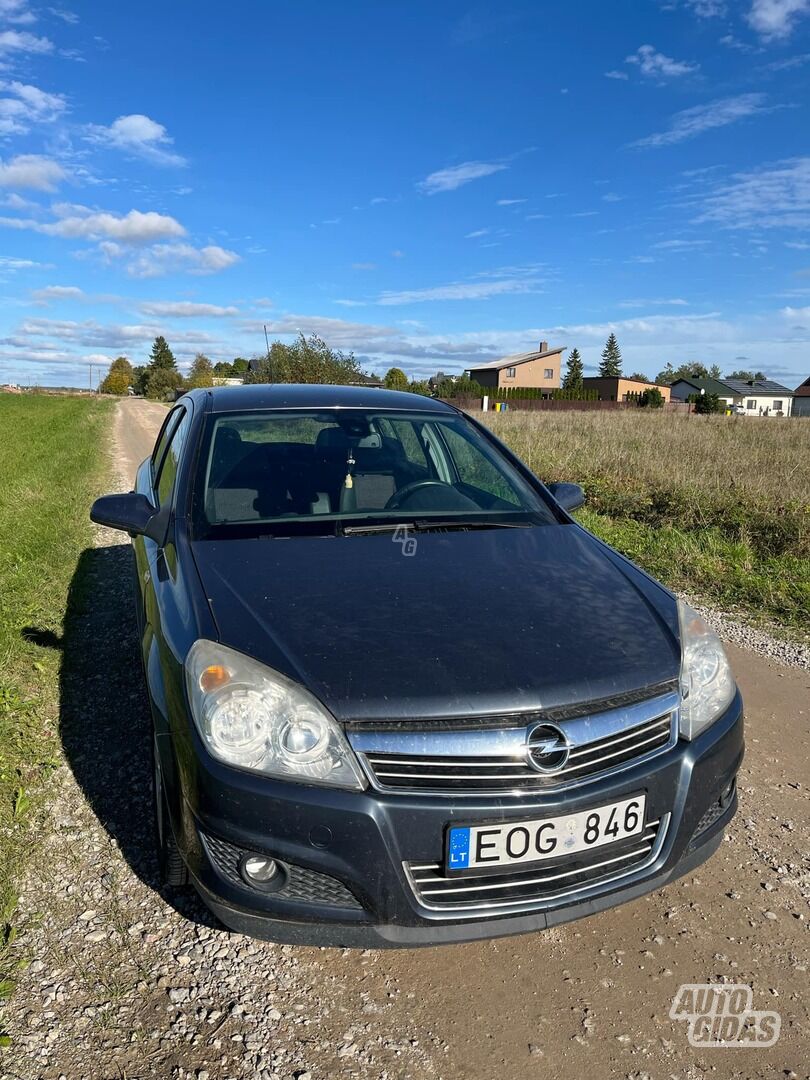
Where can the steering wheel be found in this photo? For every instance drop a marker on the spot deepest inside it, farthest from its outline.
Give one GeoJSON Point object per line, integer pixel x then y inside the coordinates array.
{"type": "Point", "coordinates": [396, 499]}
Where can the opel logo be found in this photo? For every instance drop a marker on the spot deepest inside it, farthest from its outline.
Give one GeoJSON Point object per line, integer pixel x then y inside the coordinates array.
{"type": "Point", "coordinates": [547, 748]}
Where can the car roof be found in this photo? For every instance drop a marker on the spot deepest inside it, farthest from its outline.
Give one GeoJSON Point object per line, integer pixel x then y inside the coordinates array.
{"type": "Point", "coordinates": [258, 396]}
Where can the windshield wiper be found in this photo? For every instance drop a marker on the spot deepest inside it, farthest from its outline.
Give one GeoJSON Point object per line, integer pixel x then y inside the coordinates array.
{"type": "Point", "coordinates": [427, 524]}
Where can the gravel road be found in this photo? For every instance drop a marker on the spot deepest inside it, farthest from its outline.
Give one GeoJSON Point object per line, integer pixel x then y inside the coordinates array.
{"type": "Point", "coordinates": [128, 982]}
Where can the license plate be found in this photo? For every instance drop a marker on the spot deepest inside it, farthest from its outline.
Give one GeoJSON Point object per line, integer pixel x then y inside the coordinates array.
{"type": "Point", "coordinates": [480, 846]}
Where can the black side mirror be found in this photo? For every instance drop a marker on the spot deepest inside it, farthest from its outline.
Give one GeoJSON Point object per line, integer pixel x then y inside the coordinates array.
{"type": "Point", "coordinates": [132, 513]}
{"type": "Point", "coordinates": [569, 496]}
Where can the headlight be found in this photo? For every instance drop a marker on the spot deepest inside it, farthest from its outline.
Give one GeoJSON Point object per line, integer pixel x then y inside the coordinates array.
{"type": "Point", "coordinates": [707, 685]}
{"type": "Point", "coordinates": [255, 718]}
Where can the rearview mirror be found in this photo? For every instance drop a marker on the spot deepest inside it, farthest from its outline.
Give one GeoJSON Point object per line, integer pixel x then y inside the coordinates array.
{"type": "Point", "coordinates": [569, 496]}
{"type": "Point", "coordinates": [132, 513]}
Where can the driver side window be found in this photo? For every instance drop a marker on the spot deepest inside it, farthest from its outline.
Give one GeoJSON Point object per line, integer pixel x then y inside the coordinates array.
{"type": "Point", "coordinates": [171, 459]}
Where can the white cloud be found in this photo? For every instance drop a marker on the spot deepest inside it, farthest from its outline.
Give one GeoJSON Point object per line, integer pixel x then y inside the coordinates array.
{"type": "Point", "coordinates": [186, 309]}
{"type": "Point", "coordinates": [611, 196]}
{"type": "Point", "coordinates": [476, 233]}
{"type": "Point", "coordinates": [27, 105]}
{"type": "Point", "coordinates": [676, 302]}
{"type": "Point", "coordinates": [768, 197]}
{"type": "Point", "coordinates": [689, 123]}
{"type": "Point", "coordinates": [510, 202]}
{"type": "Point", "coordinates": [775, 19]}
{"type": "Point", "coordinates": [31, 171]}
{"type": "Point", "coordinates": [17, 12]}
{"type": "Point", "coordinates": [57, 292]}
{"type": "Point", "coordinates": [116, 231]}
{"type": "Point", "coordinates": [795, 312]}
{"type": "Point", "coordinates": [162, 259]}
{"type": "Point", "coordinates": [66, 16]}
{"type": "Point", "coordinates": [134, 227]}
{"type": "Point", "coordinates": [655, 65]}
{"type": "Point", "coordinates": [679, 245]}
{"type": "Point", "coordinates": [137, 134]}
{"type": "Point", "coordinates": [21, 41]}
{"type": "Point", "coordinates": [462, 290]}
{"type": "Point", "coordinates": [457, 175]}
{"type": "Point", "coordinates": [622, 75]}
{"type": "Point", "coordinates": [707, 9]}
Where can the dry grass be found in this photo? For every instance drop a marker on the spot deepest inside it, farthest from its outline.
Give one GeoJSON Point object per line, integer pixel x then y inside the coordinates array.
{"type": "Point", "coordinates": [716, 505]}
{"type": "Point", "coordinates": [765, 460]}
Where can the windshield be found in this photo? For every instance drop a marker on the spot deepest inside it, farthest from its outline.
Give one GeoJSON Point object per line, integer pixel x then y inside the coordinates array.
{"type": "Point", "coordinates": [311, 469]}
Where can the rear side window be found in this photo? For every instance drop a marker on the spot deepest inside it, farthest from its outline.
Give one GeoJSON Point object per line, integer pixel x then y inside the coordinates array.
{"type": "Point", "coordinates": [171, 461]}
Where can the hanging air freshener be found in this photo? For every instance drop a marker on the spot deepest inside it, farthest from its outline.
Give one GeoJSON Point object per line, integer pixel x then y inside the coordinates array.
{"type": "Point", "coordinates": [349, 481]}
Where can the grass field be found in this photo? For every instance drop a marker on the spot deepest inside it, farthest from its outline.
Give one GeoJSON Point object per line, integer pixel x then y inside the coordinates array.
{"type": "Point", "coordinates": [51, 464]}
{"type": "Point", "coordinates": [717, 507]}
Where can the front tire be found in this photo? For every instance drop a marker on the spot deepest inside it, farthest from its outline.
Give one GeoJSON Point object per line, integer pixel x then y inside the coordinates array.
{"type": "Point", "coordinates": [173, 871]}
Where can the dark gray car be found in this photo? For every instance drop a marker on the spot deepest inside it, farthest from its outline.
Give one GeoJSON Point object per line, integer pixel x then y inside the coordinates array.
{"type": "Point", "coordinates": [400, 696]}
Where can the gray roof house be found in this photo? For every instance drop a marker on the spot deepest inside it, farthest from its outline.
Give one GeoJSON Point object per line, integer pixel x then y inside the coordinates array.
{"type": "Point", "coordinates": [762, 397]}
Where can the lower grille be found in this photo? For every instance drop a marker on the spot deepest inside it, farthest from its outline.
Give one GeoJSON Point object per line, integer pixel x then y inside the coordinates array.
{"type": "Point", "coordinates": [302, 885]}
{"type": "Point", "coordinates": [541, 884]}
{"type": "Point", "coordinates": [715, 811]}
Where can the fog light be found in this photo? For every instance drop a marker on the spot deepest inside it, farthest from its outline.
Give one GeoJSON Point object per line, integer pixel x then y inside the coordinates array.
{"type": "Point", "coordinates": [263, 873]}
{"type": "Point", "coordinates": [259, 869]}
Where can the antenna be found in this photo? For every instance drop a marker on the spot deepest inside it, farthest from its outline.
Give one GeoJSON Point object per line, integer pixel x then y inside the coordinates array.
{"type": "Point", "coordinates": [266, 340]}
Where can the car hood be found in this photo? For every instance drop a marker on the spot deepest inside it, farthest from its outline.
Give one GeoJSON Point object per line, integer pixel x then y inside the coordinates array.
{"type": "Point", "coordinates": [471, 623]}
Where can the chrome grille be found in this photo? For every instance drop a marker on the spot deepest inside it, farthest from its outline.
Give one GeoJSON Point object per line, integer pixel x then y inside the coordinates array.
{"type": "Point", "coordinates": [540, 885]}
{"type": "Point", "coordinates": [495, 761]}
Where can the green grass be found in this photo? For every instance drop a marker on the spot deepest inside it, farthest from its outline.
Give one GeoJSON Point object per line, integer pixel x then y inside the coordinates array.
{"type": "Point", "coordinates": [716, 507]}
{"type": "Point", "coordinates": [52, 463]}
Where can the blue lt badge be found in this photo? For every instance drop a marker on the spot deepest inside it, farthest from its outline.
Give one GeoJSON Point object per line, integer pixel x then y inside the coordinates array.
{"type": "Point", "coordinates": [458, 852]}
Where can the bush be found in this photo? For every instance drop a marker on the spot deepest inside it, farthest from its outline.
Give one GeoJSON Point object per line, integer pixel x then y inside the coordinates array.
{"type": "Point", "coordinates": [651, 399]}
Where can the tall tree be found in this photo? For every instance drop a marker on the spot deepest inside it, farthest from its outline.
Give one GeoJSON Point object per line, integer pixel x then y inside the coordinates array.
{"type": "Point", "coordinates": [395, 379]}
{"type": "Point", "coordinates": [714, 372]}
{"type": "Point", "coordinates": [574, 371]}
{"type": "Point", "coordinates": [162, 376]}
{"type": "Point", "coordinates": [611, 365]}
{"type": "Point", "coordinates": [201, 373]}
{"type": "Point", "coordinates": [638, 376]}
{"type": "Point", "coordinates": [162, 356]}
{"type": "Point", "coordinates": [239, 366]}
{"type": "Point", "coordinates": [119, 378]}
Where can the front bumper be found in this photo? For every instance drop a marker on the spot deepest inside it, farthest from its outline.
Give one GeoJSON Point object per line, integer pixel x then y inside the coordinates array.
{"type": "Point", "coordinates": [349, 851]}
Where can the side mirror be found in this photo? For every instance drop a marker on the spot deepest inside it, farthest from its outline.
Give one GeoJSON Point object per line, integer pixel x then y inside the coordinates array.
{"type": "Point", "coordinates": [569, 496]}
{"type": "Point", "coordinates": [132, 513]}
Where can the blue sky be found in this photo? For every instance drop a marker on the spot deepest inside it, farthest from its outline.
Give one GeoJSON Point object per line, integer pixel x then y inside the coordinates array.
{"type": "Point", "coordinates": [427, 184]}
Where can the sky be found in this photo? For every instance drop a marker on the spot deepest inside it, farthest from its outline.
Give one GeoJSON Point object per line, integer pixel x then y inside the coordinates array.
{"type": "Point", "coordinates": [428, 185]}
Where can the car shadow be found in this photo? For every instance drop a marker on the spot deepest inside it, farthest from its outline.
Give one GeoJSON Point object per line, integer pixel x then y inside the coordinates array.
{"type": "Point", "coordinates": [104, 717]}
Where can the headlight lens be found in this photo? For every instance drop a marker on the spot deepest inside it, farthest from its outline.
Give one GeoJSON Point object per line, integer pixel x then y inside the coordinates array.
{"type": "Point", "coordinates": [707, 684]}
{"type": "Point", "coordinates": [255, 718]}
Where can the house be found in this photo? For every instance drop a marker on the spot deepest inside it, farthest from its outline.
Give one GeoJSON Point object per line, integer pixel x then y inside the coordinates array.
{"type": "Point", "coordinates": [609, 388]}
{"type": "Point", "coordinates": [762, 397]}
{"type": "Point", "coordinates": [539, 369]}
{"type": "Point", "coordinates": [801, 399]}
{"type": "Point", "coordinates": [435, 381]}
{"type": "Point", "coordinates": [683, 389]}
